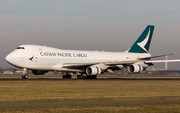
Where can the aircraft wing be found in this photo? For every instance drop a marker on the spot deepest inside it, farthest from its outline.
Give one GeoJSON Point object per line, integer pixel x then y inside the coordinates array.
{"type": "Point", "coordinates": [75, 65]}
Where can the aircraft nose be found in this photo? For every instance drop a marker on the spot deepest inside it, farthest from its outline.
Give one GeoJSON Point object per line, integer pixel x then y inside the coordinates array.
{"type": "Point", "coordinates": [9, 58]}
{"type": "Point", "coordinates": [13, 58]}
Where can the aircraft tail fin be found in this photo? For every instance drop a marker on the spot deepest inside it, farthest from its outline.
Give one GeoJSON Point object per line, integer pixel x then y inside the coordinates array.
{"type": "Point", "coordinates": [142, 44]}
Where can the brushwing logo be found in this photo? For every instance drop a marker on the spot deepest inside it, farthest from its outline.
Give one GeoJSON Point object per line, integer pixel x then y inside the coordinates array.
{"type": "Point", "coordinates": [144, 42]}
{"type": "Point", "coordinates": [31, 58]}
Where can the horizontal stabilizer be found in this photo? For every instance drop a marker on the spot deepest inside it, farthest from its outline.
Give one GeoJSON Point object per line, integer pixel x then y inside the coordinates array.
{"type": "Point", "coordinates": [145, 58]}
{"type": "Point", "coordinates": [158, 61]}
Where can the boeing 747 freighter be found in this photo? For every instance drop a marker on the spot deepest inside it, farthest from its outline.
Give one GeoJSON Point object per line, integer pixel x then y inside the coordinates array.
{"type": "Point", "coordinates": [86, 64]}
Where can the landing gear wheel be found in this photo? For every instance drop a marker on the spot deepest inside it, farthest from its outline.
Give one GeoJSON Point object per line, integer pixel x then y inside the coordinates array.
{"type": "Point", "coordinates": [66, 76]}
{"type": "Point", "coordinates": [91, 77]}
{"type": "Point", "coordinates": [80, 77]}
{"type": "Point", "coordinates": [24, 76]}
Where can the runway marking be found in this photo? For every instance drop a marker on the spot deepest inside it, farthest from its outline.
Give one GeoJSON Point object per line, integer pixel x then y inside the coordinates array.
{"type": "Point", "coordinates": [85, 103]}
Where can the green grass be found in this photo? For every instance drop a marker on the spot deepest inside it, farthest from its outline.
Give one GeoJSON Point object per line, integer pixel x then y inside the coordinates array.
{"type": "Point", "coordinates": [172, 107]}
{"type": "Point", "coordinates": [69, 91]}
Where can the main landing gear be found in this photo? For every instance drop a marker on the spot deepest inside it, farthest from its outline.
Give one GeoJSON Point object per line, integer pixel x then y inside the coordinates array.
{"type": "Point", "coordinates": [85, 76]}
{"type": "Point", "coordinates": [67, 76]}
{"type": "Point", "coordinates": [24, 75]}
{"type": "Point", "coordinates": [79, 76]}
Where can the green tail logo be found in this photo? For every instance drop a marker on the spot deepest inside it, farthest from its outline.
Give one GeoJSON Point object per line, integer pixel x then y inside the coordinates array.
{"type": "Point", "coordinates": [142, 44]}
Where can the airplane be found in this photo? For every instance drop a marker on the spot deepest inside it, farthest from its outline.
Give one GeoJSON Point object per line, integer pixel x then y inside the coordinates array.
{"type": "Point", "coordinates": [86, 64]}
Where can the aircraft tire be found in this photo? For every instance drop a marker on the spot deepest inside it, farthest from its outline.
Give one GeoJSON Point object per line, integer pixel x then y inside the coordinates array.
{"type": "Point", "coordinates": [66, 76]}
{"type": "Point", "coordinates": [24, 76]}
{"type": "Point", "coordinates": [80, 77]}
{"type": "Point", "coordinates": [69, 76]}
{"type": "Point", "coordinates": [91, 77]}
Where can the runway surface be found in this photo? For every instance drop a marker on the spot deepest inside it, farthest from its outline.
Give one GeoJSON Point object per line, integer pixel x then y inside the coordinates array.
{"type": "Point", "coordinates": [57, 79]}
{"type": "Point", "coordinates": [86, 103]}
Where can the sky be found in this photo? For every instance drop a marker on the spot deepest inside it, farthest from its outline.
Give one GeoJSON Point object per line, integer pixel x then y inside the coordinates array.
{"type": "Point", "coordinates": [90, 25]}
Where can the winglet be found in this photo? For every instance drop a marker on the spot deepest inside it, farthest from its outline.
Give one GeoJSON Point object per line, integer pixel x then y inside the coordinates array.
{"type": "Point", "coordinates": [142, 44]}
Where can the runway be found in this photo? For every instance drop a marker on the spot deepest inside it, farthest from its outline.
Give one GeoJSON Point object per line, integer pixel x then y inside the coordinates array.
{"type": "Point", "coordinates": [59, 79]}
{"type": "Point", "coordinates": [86, 103]}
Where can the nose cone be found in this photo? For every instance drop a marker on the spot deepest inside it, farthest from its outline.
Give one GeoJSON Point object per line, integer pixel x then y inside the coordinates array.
{"type": "Point", "coordinates": [9, 58]}
{"type": "Point", "coordinates": [14, 58]}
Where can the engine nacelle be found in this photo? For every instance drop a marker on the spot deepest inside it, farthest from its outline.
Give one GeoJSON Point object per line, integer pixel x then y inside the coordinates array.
{"type": "Point", "coordinates": [39, 72]}
{"type": "Point", "coordinates": [135, 68]}
{"type": "Point", "coordinates": [93, 70]}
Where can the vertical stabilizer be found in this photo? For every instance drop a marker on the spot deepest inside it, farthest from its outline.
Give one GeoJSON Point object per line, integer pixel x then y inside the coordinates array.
{"type": "Point", "coordinates": [142, 44]}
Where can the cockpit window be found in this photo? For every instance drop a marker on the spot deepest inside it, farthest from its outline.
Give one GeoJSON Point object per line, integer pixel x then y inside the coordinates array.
{"type": "Point", "coordinates": [20, 48]}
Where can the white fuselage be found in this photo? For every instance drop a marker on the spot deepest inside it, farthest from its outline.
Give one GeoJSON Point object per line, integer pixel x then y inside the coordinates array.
{"type": "Point", "coordinates": [47, 58]}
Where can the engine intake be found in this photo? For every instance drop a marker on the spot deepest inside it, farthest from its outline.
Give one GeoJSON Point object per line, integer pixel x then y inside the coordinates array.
{"type": "Point", "coordinates": [93, 70]}
{"type": "Point", "coordinates": [135, 68]}
{"type": "Point", "coordinates": [39, 72]}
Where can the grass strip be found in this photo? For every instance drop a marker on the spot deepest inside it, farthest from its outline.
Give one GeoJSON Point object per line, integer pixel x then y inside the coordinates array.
{"type": "Point", "coordinates": [169, 107]}
{"type": "Point", "coordinates": [72, 91]}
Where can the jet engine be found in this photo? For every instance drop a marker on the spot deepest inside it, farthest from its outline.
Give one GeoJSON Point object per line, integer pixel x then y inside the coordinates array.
{"type": "Point", "coordinates": [135, 68]}
{"type": "Point", "coordinates": [93, 70]}
{"type": "Point", "coordinates": [39, 72]}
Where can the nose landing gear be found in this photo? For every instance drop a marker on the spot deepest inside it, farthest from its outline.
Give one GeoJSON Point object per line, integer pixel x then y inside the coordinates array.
{"type": "Point", "coordinates": [24, 75]}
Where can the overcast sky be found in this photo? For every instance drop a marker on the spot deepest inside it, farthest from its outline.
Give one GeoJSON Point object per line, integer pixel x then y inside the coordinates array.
{"type": "Point", "coordinates": [90, 25]}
